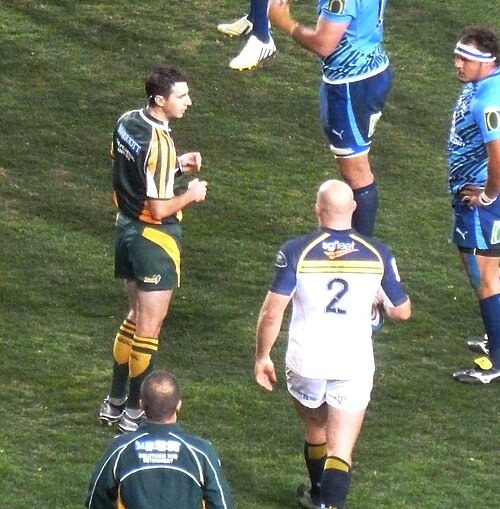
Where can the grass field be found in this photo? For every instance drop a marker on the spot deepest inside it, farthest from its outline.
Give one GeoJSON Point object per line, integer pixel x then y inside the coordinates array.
{"type": "Point", "coordinates": [68, 69]}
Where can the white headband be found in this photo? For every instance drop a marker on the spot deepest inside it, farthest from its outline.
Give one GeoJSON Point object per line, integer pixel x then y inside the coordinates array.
{"type": "Point", "coordinates": [472, 53]}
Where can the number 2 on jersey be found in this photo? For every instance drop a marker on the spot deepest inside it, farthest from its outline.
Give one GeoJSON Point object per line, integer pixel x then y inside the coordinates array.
{"type": "Point", "coordinates": [340, 286]}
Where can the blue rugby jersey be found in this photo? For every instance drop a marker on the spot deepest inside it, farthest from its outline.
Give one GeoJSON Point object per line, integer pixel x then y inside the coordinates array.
{"type": "Point", "coordinates": [476, 121]}
{"type": "Point", "coordinates": [359, 54]}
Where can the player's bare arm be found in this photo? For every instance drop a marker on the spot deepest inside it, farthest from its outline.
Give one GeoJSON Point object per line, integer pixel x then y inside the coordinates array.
{"type": "Point", "coordinates": [196, 192]}
{"type": "Point", "coordinates": [321, 40]}
{"type": "Point", "coordinates": [268, 329]}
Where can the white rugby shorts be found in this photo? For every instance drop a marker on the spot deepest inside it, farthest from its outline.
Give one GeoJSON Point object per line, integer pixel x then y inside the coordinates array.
{"type": "Point", "coordinates": [351, 395]}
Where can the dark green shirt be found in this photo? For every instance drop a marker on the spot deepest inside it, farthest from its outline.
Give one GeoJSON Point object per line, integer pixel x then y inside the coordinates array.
{"type": "Point", "coordinates": [159, 466]}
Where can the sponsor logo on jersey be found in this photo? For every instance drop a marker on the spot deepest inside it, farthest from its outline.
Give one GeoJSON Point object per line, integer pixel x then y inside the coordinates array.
{"type": "Point", "coordinates": [338, 249]}
{"type": "Point", "coordinates": [128, 139]}
{"type": "Point", "coordinates": [158, 451]}
{"type": "Point", "coordinates": [337, 6]}
{"type": "Point", "coordinates": [158, 445]}
{"type": "Point", "coordinates": [121, 149]}
{"type": "Point", "coordinates": [154, 280]}
{"type": "Point", "coordinates": [492, 119]}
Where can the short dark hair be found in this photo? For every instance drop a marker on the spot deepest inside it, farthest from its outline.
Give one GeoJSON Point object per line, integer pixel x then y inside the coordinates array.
{"type": "Point", "coordinates": [161, 80]}
{"type": "Point", "coordinates": [483, 37]}
{"type": "Point", "coordinates": [160, 395]}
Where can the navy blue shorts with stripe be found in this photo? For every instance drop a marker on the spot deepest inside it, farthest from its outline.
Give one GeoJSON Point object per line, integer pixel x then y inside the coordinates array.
{"type": "Point", "coordinates": [350, 111]}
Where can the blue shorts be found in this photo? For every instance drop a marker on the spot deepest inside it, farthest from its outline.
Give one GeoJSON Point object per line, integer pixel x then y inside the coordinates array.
{"type": "Point", "coordinates": [477, 228]}
{"type": "Point", "coordinates": [350, 112]}
{"type": "Point", "coordinates": [148, 253]}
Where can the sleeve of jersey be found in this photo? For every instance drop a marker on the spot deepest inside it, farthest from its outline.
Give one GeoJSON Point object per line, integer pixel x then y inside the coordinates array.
{"type": "Point", "coordinates": [340, 11]}
{"type": "Point", "coordinates": [285, 275]}
{"type": "Point", "coordinates": [216, 492]}
{"type": "Point", "coordinates": [486, 113]}
{"type": "Point", "coordinates": [103, 489]}
{"type": "Point", "coordinates": [393, 291]}
{"type": "Point", "coordinates": [160, 166]}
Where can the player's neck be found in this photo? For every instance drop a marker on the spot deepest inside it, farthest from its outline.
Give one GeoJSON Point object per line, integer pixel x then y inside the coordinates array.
{"type": "Point", "coordinates": [157, 113]}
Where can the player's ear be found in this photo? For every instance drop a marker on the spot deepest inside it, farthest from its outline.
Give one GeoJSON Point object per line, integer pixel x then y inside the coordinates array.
{"type": "Point", "coordinates": [158, 101]}
{"type": "Point", "coordinates": [317, 210]}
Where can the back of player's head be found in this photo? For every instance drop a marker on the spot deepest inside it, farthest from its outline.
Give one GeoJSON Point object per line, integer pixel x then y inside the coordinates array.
{"type": "Point", "coordinates": [161, 80]}
{"type": "Point", "coordinates": [160, 395]}
{"type": "Point", "coordinates": [335, 198]}
{"type": "Point", "coordinates": [484, 38]}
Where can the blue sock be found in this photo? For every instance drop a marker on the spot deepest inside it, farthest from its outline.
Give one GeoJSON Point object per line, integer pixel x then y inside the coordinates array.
{"type": "Point", "coordinates": [258, 16]}
{"type": "Point", "coordinates": [490, 312]}
{"type": "Point", "coordinates": [335, 482]}
{"type": "Point", "coordinates": [363, 219]}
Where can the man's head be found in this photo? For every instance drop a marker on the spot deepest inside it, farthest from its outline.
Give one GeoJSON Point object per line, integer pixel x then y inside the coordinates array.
{"type": "Point", "coordinates": [167, 91]}
{"type": "Point", "coordinates": [335, 205]}
{"type": "Point", "coordinates": [160, 397]}
{"type": "Point", "coordinates": [476, 54]}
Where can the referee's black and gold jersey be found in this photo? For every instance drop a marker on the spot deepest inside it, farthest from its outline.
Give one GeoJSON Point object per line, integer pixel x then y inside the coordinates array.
{"type": "Point", "coordinates": [145, 165]}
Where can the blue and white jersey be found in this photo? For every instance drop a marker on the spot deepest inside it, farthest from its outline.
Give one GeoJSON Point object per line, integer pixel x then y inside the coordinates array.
{"type": "Point", "coordinates": [333, 278]}
{"type": "Point", "coordinates": [476, 122]}
{"type": "Point", "coordinates": [359, 54]}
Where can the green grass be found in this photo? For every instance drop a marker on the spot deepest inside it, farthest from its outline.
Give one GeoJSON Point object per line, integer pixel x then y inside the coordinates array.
{"type": "Point", "coordinates": [68, 69]}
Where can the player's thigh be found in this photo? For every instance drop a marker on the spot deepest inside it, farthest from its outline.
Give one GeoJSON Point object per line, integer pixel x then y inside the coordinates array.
{"type": "Point", "coordinates": [343, 429]}
{"type": "Point", "coordinates": [308, 397]}
{"type": "Point", "coordinates": [155, 258]}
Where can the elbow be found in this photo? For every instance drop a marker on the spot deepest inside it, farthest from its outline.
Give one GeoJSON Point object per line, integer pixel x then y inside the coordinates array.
{"type": "Point", "coordinates": [324, 54]}
{"type": "Point", "coordinates": [156, 216]}
{"type": "Point", "coordinates": [325, 50]}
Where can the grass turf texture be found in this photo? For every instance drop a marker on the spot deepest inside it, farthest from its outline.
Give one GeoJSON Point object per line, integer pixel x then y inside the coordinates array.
{"type": "Point", "coordinates": [68, 70]}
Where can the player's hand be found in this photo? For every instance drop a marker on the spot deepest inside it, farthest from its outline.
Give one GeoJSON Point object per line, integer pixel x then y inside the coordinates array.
{"type": "Point", "coordinates": [470, 196]}
{"type": "Point", "coordinates": [265, 376]}
{"type": "Point", "coordinates": [190, 162]}
{"type": "Point", "coordinates": [198, 189]}
{"type": "Point", "coordinates": [279, 15]}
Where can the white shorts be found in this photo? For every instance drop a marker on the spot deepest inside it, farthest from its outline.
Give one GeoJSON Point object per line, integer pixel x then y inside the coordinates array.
{"type": "Point", "coordinates": [351, 395]}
